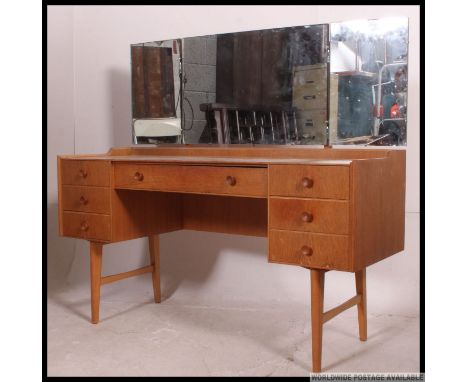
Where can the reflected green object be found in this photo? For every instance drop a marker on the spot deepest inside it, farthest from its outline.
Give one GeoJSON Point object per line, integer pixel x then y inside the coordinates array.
{"type": "Point", "coordinates": [355, 110]}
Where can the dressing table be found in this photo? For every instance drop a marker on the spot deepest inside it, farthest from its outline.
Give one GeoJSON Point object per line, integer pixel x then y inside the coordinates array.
{"type": "Point", "coordinates": [320, 208]}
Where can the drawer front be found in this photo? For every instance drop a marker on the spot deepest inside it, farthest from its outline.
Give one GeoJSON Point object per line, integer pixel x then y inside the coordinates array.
{"type": "Point", "coordinates": [240, 181]}
{"type": "Point", "coordinates": [310, 215]}
{"type": "Point", "coordinates": [85, 172]}
{"type": "Point", "coordinates": [309, 98]}
{"type": "Point", "coordinates": [86, 226]}
{"type": "Point", "coordinates": [312, 79]}
{"type": "Point", "coordinates": [309, 250]}
{"type": "Point", "coordinates": [86, 199]}
{"type": "Point", "coordinates": [323, 182]}
{"type": "Point", "coordinates": [312, 124]}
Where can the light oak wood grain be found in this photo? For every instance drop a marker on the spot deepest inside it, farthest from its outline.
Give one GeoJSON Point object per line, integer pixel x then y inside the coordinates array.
{"type": "Point", "coordinates": [86, 199]}
{"type": "Point", "coordinates": [125, 275]}
{"type": "Point", "coordinates": [360, 277]}
{"type": "Point", "coordinates": [95, 274]}
{"type": "Point", "coordinates": [327, 182]}
{"type": "Point", "coordinates": [327, 316]}
{"type": "Point", "coordinates": [59, 196]}
{"type": "Point", "coordinates": [221, 180]}
{"type": "Point", "coordinates": [153, 243]}
{"type": "Point", "coordinates": [137, 213]}
{"type": "Point", "coordinates": [327, 251]}
{"type": "Point", "coordinates": [249, 151]}
{"type": "Point", "coordinates": [317, 281]}
{"type": "Point", "coordinates": [88, 226]}
{"type": "Point", "coordinates": [377, 209]}
{"type": "Point", "coordinates": [311, 215]}
{"type": "Point", "coordinates": [213, 161]}
{"type": "Point", "coordinates": [319, 318]}
{"type": "Point", "coordinates": [85, 172]}
{"type": "Point", "coordinates": [225, 214]}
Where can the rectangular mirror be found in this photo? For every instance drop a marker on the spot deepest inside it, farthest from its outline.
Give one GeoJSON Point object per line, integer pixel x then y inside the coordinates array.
{"type": "Point", "coordinates": [369, 81]}
{"type": "Point", "coordinates": [258, 87]}
{"type": "Point", "coordinates": [343, 83]}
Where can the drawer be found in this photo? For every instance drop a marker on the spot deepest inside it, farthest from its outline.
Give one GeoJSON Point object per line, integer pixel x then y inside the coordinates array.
{"type": "Point", "coordinates": [239, 181]}
{"type": "Point", "coordinates": [322, 182]}
{"type": "Point", "coordinates": [315, 118]}
{"type": "Point", "coordinates": [311, 215]}
{"type": "Point", "coordinates": [309, 98]}
{"type": "Point", "coordinates": [86, 226]}
{"type": "Point", "coordinates": [85, 172]}
{"type": "Point", "coordinates": [86, 199]}
{"type": "Point", "coordinates": [312, 78]}
{"type": "Point", "coordinates": [312, 124]}
{"type": "Point", "coordinates": [311, 250]}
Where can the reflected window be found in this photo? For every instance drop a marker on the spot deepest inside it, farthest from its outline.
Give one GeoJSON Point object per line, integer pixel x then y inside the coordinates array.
{"type": "Point", "coordinates": [368, 81]}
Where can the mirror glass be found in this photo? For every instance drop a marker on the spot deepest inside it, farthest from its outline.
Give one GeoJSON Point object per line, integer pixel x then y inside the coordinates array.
{"type": "Point", "coordinates": [256, 87]}
{"type": "Point", "coordinates": [155, 92]}
{"type": "Point", "coordinates": [369, 81]}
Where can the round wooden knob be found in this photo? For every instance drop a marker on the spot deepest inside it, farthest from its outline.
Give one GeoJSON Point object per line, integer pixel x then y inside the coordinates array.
{"type": "Point", "coordinates": [306, 217]}
{"type": "Point", "coordinates": [83, 173]}
{"type": "Point", "coordinates": [306, 251]}
{"type": "Point", "coordinates": [84, 226]}
{"type": "Point", "coordinates": [231, 180]}
{"type": "Point", "coordinates": [83, 200]}
{"type": "Point", "coordinates": [138, 176]}
{"type": "Point", "coordinates": [307, 182]}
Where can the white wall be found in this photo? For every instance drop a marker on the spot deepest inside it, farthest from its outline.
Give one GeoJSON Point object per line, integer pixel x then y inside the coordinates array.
{"type": "Point", "coordinates": [60, 127]}
{"type": "Point", "coordinates": [89, 99]}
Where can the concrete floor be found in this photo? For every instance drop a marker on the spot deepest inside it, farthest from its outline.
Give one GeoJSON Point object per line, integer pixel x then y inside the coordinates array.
{"type": "Point", "coordinates": [183, 337]}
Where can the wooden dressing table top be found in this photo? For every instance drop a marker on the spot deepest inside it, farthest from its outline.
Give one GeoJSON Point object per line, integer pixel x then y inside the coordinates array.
{"type": "Point", "coordinates": [243, 161]}
{"type": "Point", "coordinates": [237, 154]}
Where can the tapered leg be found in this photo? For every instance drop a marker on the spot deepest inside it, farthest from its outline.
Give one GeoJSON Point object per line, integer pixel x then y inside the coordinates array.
{"type": "Point", "coordinates": [96, 264]}
{"type": "Point", "coordinates": [317, 281]}
{"type": "Point", "coordinates": [362, 306]}
{"type": "Point", "coordinates": [153, 241]}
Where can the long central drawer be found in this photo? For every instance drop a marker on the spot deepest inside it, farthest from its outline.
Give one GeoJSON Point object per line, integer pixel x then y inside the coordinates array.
{"type": "Point", "coordinates": [217, 180]}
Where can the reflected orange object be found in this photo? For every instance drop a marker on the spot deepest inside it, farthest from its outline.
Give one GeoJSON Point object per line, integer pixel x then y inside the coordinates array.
{"type": "Point", "coordinates": [395, 111]}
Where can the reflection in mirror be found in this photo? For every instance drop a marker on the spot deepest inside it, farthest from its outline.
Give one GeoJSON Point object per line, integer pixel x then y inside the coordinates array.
{"type": "Point", "coordinates": [368, 81]}
{"type": "Point", "coordinates": [156, 92]}
{"type": "Point", "coordinates": [257, 87]}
